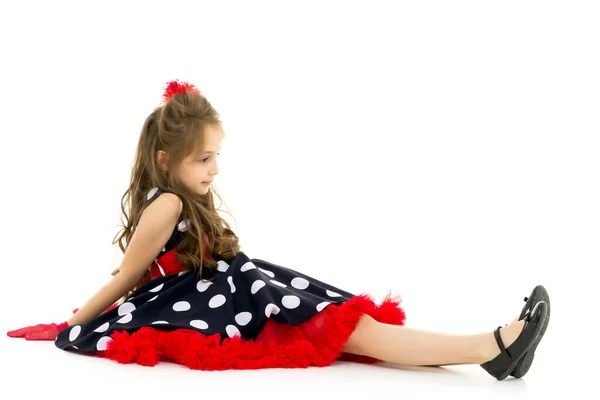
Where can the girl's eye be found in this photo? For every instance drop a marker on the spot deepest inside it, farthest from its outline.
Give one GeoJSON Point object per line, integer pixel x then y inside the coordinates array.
{"type": "Point", "coordinates": [204, 160]}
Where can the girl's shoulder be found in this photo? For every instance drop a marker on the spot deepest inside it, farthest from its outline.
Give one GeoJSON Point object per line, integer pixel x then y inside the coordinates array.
{"type": "Point", "coordinates": [152, 195]}
{"type": "Point", "coordinates": [178, 230]}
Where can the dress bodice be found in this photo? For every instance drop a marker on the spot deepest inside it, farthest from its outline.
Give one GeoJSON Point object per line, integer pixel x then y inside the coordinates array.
{"type": "Point", "coordinates": [166, 263]}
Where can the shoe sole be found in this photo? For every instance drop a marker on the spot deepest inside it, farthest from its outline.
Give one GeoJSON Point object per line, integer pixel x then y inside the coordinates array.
{"type": "Point", "coordinates": [542, 321]}
{"type": "Point", "coordinates": [539, 293]}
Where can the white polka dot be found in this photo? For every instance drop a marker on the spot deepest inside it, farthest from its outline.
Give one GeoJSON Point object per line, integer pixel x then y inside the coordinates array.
{"type": "Point", "coordinates": [271, 309]}
{"type": "Point", "coordinates": [290, 301]}
{"type": "Point", "coordinates": [183, 225]}
{"type": "Point", "coordinates": [181, 306]}
{"type": "Point", "coordinates": [182, 272]}
{"type": "Point", "coordinates": [230, 280]}
{"type": "Point", "coordinates": [243, 318]}
{"type": "Point", "coordinates": [247, 266]}
{"type": "Point", "coordinates": [125, 319]}
{"type": "Point", "coordinates": [102, 328]}
{"type": "Point", "coordinates": [216, 301]}
{"type": "Point", "coordinates": [202, 285]}
{"type": "Point", "coordinates": [299, 283]}
{"type": "Point", "coordinates": [264, 271]}
{"type": "Point", "coordinates": [164, 249]}
{"type": "Point", "coordinates": [232, 331]}
{"type": "Point", "coordinates": [75, 331]}
{"type": "Point", "coordinates": [332, 294]}
{"type": "Point", "coordinates": [154, 298]}
{"type": "Point", "coordinates": [322, 305]}
{"type": "Point", "coordinates": [198, 323]}
{"type": "Point", "coordinates": [102, 343]}
{"type": "Point", "coordinates": [156, 289]}
{"type": "Point", "coordinates": [278, 283]}
{"type": "Point", "coordinates": [125, 308]}
{"type": "Point", "coordinates": [256, 286]}
{"type": "Point", "coordinates": [160, 322]}
{"type": "Point", "coordinates": [222, 266]}
{"type": "Point", "coordinates": [162, 271]}
{"type": "Point", "coordinates": [75, 347]}
{"type": "Point", "coordinates": [151, 193]}
{"type": "Point", "coordinates": [131, 298]}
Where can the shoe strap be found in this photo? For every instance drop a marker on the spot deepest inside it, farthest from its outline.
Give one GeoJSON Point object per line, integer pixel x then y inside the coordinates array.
{"type": "Point", "coordinates": [499, 341]}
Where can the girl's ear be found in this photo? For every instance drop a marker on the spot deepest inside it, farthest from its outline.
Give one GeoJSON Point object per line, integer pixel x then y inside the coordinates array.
{"type": "Point", "coordinates": [162, 158]}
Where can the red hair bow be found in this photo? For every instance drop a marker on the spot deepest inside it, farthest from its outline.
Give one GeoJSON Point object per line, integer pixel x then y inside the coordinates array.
{"type": "Point", "coordinates": [174, 87]}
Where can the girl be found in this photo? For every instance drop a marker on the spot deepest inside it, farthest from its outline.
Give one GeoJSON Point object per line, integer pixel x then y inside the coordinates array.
{"type": "Point", "coordinates": [185, 292]}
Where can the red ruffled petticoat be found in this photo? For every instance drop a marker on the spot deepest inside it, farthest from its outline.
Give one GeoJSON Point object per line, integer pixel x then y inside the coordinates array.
{"type": "Point", "coordinates": [319, 341]}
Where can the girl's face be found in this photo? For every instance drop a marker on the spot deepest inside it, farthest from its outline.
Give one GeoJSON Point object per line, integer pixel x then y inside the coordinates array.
{"type": "Point", "coordinates": [197, 171]}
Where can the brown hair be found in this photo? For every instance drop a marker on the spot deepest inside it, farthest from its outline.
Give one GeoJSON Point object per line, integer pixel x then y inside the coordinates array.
{"type": "Point", "coordinates": [178, 128]}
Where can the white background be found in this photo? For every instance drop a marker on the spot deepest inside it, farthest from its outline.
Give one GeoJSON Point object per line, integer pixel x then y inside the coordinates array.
{"type": "Point", "coordinates": [447, 151]}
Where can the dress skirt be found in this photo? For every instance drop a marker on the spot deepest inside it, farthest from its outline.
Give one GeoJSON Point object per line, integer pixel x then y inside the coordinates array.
{"type": "Point", "coordinates": [248, 314]}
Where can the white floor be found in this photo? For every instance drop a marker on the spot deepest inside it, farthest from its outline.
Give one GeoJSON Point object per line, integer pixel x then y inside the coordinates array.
{"type": "Point", "coordinates": [565, 363]}
{"type": "Point", "coordinates": [34, 369]}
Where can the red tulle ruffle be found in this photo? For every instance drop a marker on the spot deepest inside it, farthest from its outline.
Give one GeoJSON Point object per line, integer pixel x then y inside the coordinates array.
{"type": "Point", "coordinates": [318, 341]}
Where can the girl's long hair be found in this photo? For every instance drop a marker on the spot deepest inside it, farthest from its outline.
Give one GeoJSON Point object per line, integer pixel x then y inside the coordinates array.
{"type": "Point", "coordinates": [178, 128]}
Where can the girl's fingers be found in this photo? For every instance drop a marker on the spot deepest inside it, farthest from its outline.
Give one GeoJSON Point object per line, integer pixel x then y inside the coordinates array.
{"type": "Point", "coordinates": [28, 329]}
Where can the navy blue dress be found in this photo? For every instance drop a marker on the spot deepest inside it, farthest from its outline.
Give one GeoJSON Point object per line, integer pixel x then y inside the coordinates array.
{"type": "Point", "coordinates": [245, 295]}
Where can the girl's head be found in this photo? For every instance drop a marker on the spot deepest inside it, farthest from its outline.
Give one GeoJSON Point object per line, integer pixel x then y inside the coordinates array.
{"type": "Point", "coordinates": [177, 152]}
{"type": "Point", "coordinates": [197, 169]}
{"type": "Point", "coordinates": [183, 140]}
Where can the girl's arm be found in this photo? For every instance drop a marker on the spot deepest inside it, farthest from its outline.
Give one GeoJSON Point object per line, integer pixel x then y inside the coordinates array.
{"type": "Point", "coordinates": [152, 233]}
{"type": "Point", "coordinates": [102, 299]}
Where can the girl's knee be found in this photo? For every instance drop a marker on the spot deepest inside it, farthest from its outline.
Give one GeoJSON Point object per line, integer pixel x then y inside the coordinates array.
{"type": "Point", "coordinates": [361, 336]}
{"type": "Point", "coordinates": [366, 321]}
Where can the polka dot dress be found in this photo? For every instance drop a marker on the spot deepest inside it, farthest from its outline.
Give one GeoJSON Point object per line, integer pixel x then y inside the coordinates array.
{"type": "Point", "coordinates": [247, 294]}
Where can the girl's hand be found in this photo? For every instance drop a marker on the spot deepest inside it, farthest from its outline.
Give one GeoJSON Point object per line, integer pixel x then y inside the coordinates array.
{"type": "Point", "coordinates": [39, 331]}
{"type": "Point", "coordinates": [45, 331]}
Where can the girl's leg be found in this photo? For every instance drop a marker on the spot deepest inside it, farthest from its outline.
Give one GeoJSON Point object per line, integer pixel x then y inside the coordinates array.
{"type": "Point", "coordinates": [408, 346]}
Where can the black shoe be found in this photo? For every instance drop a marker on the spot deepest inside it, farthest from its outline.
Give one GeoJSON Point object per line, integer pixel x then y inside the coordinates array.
{"type": "Point", "coordinates": [539, 293]}
{"type": "Point", "coordinates": [504, 363]}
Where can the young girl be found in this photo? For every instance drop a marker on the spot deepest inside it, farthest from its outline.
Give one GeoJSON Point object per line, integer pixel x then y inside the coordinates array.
{"type": "Point", "coordinates": [185, 292]}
